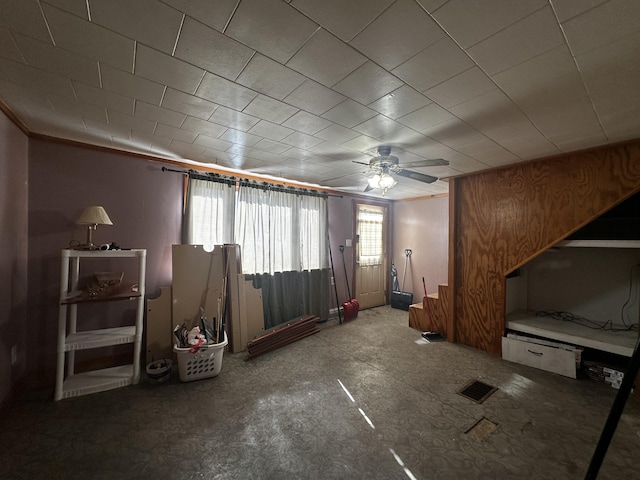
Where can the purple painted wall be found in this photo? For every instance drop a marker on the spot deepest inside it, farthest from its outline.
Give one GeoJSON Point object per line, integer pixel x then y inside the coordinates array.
{"type": "Point", "coordinates": [422, 226]}
{"type": "Point", "coordinates": [341, 228]}
{"type": "Point", "coordinates": [14, 151]}
{"type": "Point", "coordinates": [144, 204]}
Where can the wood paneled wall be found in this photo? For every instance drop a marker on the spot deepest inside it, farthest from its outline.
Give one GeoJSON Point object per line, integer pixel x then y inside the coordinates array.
{"type": "Point", "coordinates": [501, 219]}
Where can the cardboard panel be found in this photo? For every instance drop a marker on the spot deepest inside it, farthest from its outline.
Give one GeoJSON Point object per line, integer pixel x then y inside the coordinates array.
{"type": "Point", "coordinates": [197, 282]}
{"type": "Point", "coordinates": [159, 331]}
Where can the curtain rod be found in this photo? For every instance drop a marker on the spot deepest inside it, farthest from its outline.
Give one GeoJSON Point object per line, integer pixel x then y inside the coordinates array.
{"type": "Point", "coordinates": [216, 177]}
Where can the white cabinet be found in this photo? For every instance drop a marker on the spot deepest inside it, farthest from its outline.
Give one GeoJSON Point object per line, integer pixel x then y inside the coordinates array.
{"type": "Point", "coordinates": [71, 384]}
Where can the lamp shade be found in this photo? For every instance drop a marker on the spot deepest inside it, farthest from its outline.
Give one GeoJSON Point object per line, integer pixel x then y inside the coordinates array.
{"type": "Point", "coordinates": [94, 215]}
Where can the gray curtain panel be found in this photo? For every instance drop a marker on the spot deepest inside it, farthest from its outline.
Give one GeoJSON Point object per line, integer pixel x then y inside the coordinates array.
{"type": "Point", "coordinates": [289, 295]}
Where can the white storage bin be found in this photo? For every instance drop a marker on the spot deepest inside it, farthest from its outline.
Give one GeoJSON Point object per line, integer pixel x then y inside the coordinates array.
{"type": "Point", "coordinates": [205, 363]}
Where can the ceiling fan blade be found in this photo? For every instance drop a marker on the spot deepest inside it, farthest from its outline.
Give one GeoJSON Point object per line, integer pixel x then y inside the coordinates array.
{"type": "Point", "coordinates": [361, 163]}
{"type": "Point", "coordinates": [432, 162]}
{"type": "Point", "coordinates": [421, 177]}
{"type": "Point", "coordinates": [368, 188]}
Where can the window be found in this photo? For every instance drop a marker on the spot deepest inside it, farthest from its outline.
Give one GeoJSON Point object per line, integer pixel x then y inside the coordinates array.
{"type": "Point", "coordinates": [370, 240]}
{"type": "Point", "coordinates": [277, 231]}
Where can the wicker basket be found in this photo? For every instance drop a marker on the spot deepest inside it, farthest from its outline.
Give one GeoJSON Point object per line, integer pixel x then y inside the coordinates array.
{"type": "Point", "coordinates": [205, 363]}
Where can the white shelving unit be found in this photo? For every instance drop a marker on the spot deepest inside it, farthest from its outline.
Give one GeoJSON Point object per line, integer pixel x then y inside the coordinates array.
{"type": "Point", "coordinates": [70, 340]}
{"type": "Point", "coordinates": [579, 276]}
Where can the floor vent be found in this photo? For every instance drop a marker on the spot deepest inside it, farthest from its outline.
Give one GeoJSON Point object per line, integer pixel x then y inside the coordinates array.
{"type": "Point", "coordinates": [482, 429]}
{"type": "Point", "coordinates": [477, 391]}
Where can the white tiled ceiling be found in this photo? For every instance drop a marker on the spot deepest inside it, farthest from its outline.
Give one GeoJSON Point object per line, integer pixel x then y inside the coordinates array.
{"type": "Point", "coordinates": [300, 88]}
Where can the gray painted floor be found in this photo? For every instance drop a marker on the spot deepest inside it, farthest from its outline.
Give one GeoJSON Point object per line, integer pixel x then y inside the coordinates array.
{"type": "Point", "coordinates": [287, 415]}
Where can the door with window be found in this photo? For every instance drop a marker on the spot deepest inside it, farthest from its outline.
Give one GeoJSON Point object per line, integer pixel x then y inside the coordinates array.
{"type": "Point", "coordinates": [370, 254]}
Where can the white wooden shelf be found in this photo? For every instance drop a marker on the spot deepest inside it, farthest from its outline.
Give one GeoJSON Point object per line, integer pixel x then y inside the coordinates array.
{"type": "Point", "coordinates": [618, 342]}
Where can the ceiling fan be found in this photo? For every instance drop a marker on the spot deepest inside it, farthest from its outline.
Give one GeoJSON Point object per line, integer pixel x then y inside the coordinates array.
{"type": "Point", "coordinates": [384, 165]}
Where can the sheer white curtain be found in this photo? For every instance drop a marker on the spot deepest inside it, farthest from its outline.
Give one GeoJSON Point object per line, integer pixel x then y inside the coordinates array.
{"type": "Point", "coordinates": [210, 213]}
{"type": "Point", "coordinates": [280, 231]}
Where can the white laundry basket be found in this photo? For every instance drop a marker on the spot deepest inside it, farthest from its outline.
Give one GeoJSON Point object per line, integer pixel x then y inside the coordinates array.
{"type": "Point", "coordinates": [205, 363]}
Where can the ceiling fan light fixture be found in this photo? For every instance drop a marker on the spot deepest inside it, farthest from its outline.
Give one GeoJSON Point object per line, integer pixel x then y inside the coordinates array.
{"type": "Point", "coordinates": [383, 181]}
{"type": "Point", "coordinates": [386, 181]}
{"type": "Point", "coordinates": [374, 182]}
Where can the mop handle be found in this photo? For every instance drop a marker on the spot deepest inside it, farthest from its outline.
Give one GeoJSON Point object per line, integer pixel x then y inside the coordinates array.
{"type": "Point", "coordinates": [407, 254]}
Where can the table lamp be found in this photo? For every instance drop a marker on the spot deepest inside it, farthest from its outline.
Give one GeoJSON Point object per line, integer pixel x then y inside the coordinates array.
{"type": "Point", "coordinates": [92, 217]}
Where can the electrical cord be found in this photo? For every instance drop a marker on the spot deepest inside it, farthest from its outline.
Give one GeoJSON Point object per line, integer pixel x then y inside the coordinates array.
{"type": "Point", "coordinates": [584, 322]}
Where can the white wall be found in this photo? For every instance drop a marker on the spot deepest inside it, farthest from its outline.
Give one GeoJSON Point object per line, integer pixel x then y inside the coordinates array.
{"type": "Point", "coordinates": [590, 282]}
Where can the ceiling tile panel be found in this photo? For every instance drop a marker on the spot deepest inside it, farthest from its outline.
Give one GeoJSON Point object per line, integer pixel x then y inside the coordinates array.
{"type": "Point", "coordinates": [233, 119]}
{"type": "Point", "coordinates": [132, 19]}
{"type": "Point", "coordinates": [188, 104]}
{"type": "Point", "coordinates": [159, 114]}
{"type": "Point", "coordinates": [186, 149]}
{"type": "Point", "coordinates": [35, 78]}
{"type": "Point", "coordinates": [301, 140]}
{"type": "Point", "coordinates": [460, 88]}
{"type": "Point", "coordinates": [326, 59]}
{"type": "Point", "coordinates": [271, 146]}
{"type": "Point", "coordinates": [266, 76]}
{"type": "Point", "coordinates": [400, 102]}
{"type": "Point", "coordinates": [175, 133]}
{"type": "Point", "coordinates": [209, 49]}
{"type": "Point", "coordinates": [343, 18]}
{"type": "Point", "coordinates": [104, 98]}
{"type": "Point", "coordinates": [270, 109]}
{"type": "Point", "coordinates": [377, 126]}
{"type": "Point", "coordinates": [314, 98]}
{"type": "Point", "coordinates": [211, 142]}
{"type": "Point", "coordinates": [531, 36]}
{"type": "Point", "coordinates": [367, 83]}
{"type": "Point", "coordinates": [129, 121]}
{"type": "Point", "coordinates": [567, 9]}
{"type": "Point", "coordinates": [89, 39]}
{"type": "Point", "coordinates": [337, 134]}
{"type": "Point", "coordinates": [47, 57]}
{"type": "Point", "coordinates": [619, 93]}
{"type": "Point", "coordinates": [398, 34]}
{"type": "Point", "coordinates": [223, 92]}
{"type": "Point", "coordinates": [167, 70]}
{"type": "Point", "coordinates": [426, 117]}
{"type": "Point", "coordinates": [362, 143]}
{"type": "Point", "coordinates": [203, 127]}
{"type": "Point", "coordinates": [101, 128]}
{"type": "Point", "coordinates": [215, 16]}
{"type": "Point", "coordinates": [25, 16]}
{"type": "Point", "coordinates": [470, 22]}
{"type": "Point", "coordinates": [529, 147]}
{"type": "Point", "coordinates": [433, 65]}
{"type": "Point", "coordinates": [130, 85]}
{"type": "Point", "coordinates": [271, 27]}
{"type": "Point", "coordinates": [603, 24]}
{"type": "Point", "coordinates": [349, 113]}
{"type": "Point", "coordinates": [270, 130]}
{"type": "Point", "coordinates": [239, 137]}
{"type": "Point", "coordinates": [73, 107]}
{"type": "Point", "coordinates": [306, 122]}
{"type": "Point", "coordinates": [77, 7]}
{"type": "Point", "coordinates": [455, 133]}
{"type": "Point", "coordinates": [8, 47]}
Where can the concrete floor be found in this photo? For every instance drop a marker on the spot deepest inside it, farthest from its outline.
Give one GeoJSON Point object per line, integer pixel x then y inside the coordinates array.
{"type": "Point", "coordinates": [287, 415]}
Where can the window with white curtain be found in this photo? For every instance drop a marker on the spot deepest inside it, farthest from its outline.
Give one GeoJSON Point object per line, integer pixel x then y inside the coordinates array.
{"type": "Point", "coordinates": [278, 231]}
{"type": "Point", "coordinates": [210, 213]}
{"type": "Point", "coordinates": [370, 240]}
